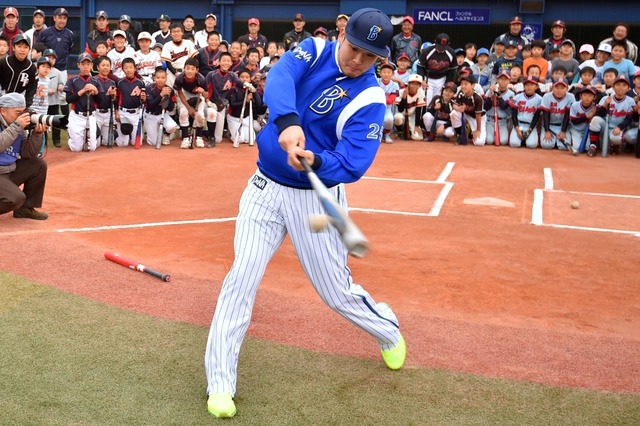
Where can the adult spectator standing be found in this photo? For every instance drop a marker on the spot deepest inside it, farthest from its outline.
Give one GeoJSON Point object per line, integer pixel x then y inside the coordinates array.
{"type": "Point", "coordinates": [17, 73]}
{"type": "Point", "coordinates": [437, 65]}
{"type": "Point", "coordinates": [620, 33]}
{"type": "Point", "coordinates": [200, 37]}
{"type": "Point", "coordinates": [515, 27]}
{"type": "Point", "coordinates": [558, 31]}
{"type": "Point", "coordinates": [297, 34]}
{"type": "Point", "coordinates": [100, 33]}
{"type": "Point", "coordinates": [59, 38]}
{"type": "Point", "coordinates": [406, 41]}
{"type": "Point", "coordinates": [341, 23]}
{"type": "Point", "coordinates": [10, 27]}
{"type": "Point", "coordinates": [163, 35]}
{"type": "Point", "coordinates": [38, 26]}
{"type": "Point", "coordinates": [255, 38]}
{"type": "Point", "coordinates": [189, 28]}
{"type": "Point", "coordinates": [19, 162]}
{"type": "Point", "coordinates": [124, 24]}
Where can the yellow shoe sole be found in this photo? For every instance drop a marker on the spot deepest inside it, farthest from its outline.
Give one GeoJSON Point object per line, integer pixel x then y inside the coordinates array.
{"type": "Point", "coordinates": [221, 405]}
{"type": "Point", "coordinates": [394, 358]}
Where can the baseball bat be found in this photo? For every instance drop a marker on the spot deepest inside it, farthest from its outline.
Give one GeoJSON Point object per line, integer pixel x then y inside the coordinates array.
{"type": "Point", "coordinates": [239, 131]}
{"type": "Point", "coordinates": [605, 136]}
{"type": "Point", "coordinates": [160, 128]}
{"type": "Point", "coordinates": [464, 136]}
{"type": "Point", "coordinates": [87, 127]}
{"type": "Point", "coordinates": [496, 131]}
{"type": "Point", "coordinates": [569, 147]}
{"type": "Point", "coordinates": [434, 126]}
{"type": "Point", "coordinates": [132, 264]}
{"type": "Point", "coordinates": [583, 143]}
{"type": "Point", "coordinates": [252, 135]}
{"type": "Point", "coordinates": [111, 136]}
{"type": "Point", "coordinates": [355, 241]}
{"type": "Point", "coordinates": [406, 119]}
{"type": "Point", "coordinates": [138, 142]}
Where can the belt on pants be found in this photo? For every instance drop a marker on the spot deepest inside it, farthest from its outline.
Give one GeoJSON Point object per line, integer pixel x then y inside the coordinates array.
{"type": "Point", "coordinates": [524, 122]}
{"type": "Point", "coordinates": [130, 111]}
{"type": "Point", "coordinates": [103, 110]}
{"type": "Point", "coordinates": [82, 113]}
{"type": "Point", "coordinates": [154, 113]}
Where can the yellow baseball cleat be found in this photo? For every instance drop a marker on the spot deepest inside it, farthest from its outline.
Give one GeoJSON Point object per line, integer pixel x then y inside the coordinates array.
{"type": "Point", "coordinates": [221, 405]}
{"type": "Point", "coordinates": [394, 358]}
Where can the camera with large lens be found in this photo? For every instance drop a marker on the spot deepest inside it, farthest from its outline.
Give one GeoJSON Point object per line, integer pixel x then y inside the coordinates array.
{"type": "Point", "coordinates": [57, 121]}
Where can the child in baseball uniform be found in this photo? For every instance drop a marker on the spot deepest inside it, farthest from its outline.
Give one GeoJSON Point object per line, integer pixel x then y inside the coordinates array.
{"type": "Point", "coordinates": [437, 120]}
{"type": "Point", "coordinates": [402, 73]}
{"type": "Point", "coordinates": [620, 108]}
{"type": "Point", "coordinates": [80, 91]}
{"type": "Point", "coordinates": [391, 90]}
{"type": "Point", "coordinates": [239, 119]}
{"type": "Point", "coordinates": [131, 95]}
{"type": "Point", "coordinates": [190, 87]}
{"type": "Point", "coordinates": [497, 99]}
{"type": "Point", "coordinates": [470, 104]}
{"type": "Point", "coordinates": [161, 100]}
{"type": "Point", "coordinates": [581, 114]}
{"type": "Point", "coordinates": [555, 108]}
{"type": "Point", "coordinates": [105, 99]}
{"type": "Point", "coordinates": [524, 115]}
{"type": "Point", "coordinates": [147, 60]}
{"type": "Point", "coordinates": [411, 105]}
{"type": "Point", "coordinates": [219, 83]}
{"type": "Point", "coordinates": [176, 52]}
{"type": "Point", "coordinates": [120, 52]}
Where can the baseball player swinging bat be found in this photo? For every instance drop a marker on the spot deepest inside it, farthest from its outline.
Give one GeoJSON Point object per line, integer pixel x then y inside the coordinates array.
{"type": "Point", "coordinates": [132, 264]}
{"type": "Point", "coordinates": [353, 238]}
{"type": "Point", "coordinates": [87, 127]}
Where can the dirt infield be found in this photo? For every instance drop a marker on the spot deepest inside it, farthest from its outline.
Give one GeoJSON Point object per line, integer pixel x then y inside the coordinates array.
{"type": "Point", "coordinates": [477, 287]}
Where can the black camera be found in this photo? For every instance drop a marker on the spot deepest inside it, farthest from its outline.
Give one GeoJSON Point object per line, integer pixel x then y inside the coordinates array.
{"type": "Point", "coordinates": [57, 121]}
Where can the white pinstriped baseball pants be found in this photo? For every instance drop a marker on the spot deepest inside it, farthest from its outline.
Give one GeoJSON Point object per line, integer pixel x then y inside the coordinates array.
{"type": "Point", "coordinates": [268, 211]}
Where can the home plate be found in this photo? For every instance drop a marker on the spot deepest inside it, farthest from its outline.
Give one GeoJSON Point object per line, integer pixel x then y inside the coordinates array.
{"type": "Point", "coordinates": [488, 201]}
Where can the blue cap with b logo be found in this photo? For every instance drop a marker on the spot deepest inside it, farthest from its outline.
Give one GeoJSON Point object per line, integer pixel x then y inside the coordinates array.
{"type": "Point", "coordinates": [370, 30]}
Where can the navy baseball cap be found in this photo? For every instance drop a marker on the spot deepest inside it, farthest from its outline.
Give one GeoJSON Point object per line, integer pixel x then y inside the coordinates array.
{"type": "Point", "coordinates": [21, 38]}
{"type": "Point", "coordinates": [370, 30]}
{"type": "Point", "coordinates": [84, 57]}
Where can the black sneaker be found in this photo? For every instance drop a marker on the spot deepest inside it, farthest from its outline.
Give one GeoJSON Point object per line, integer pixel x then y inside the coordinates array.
{"type": "Point", "coordinates": [211, 144]}
{"type": "Point", "coordinates": [29, 213]}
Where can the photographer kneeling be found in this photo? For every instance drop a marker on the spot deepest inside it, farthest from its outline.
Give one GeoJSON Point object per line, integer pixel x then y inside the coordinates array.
{"type": "Point", "coordinates": [19, 162]}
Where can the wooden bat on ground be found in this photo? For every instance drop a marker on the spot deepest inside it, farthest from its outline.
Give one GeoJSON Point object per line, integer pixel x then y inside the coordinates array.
{"type": "Point", "coordinates": [132, 264]}
{"type": "Point", "coordinates": [87, 127]}
{"type": "Point", "coordinates": [355, 241]}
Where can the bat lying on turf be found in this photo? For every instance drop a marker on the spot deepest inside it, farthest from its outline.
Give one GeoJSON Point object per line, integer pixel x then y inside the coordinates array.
{"type": "Point", "coordinates": [132, 264]}
{"type": "Point", "coordinates": [353, 238]}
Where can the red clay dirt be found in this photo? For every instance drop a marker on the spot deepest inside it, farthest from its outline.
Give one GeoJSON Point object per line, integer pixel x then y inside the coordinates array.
{"type": "Point", "coordinates": [477, 289]}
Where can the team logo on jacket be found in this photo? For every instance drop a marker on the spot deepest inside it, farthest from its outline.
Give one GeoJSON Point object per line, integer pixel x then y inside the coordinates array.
{"type": "Point", "coordinates": [302, 54]}
{"type": "Point", "coordinates": [373, 32]}
{"type": "Point", "coordinates": [324, 103]}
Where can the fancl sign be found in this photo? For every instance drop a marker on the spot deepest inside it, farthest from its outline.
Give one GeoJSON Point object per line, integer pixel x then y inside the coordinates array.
{"type": "Point", "coordinates": [452, 16]}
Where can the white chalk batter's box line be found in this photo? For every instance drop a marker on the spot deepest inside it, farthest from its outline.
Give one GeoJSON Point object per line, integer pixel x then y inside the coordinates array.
{"type": "Point", "coordinates": [538, 201]}
{"type": "Point", "coordinates": [437, 205]}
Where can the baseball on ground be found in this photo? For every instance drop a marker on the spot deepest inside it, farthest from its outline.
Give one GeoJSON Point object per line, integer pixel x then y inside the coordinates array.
{"type": "Point", "coordinates": [575, 205]}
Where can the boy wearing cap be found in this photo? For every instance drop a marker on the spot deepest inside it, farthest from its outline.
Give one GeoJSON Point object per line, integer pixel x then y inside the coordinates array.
{"type": "Point", "coordinates": [19, 162]}
{"type": "Point", "coordinates": [38, 26]}
{"type": "Point", "coordinates": [160, 99]}
{"type": "Point", "coordinates": [406, 41]}
{"type": "Point", "coordinates": [402, 73]}
{"type": "Point", "coordinates": [440, 110]}
{"type": "Point", "coordinates": [190, 86]}
{"type": "Point", "coordinates": [17, 73]}
{"type": "Point", "coordinates": [341, 23]}
{"type": "Point", "coordinates": [391, 91]}
{"type": "Point", "coordinates": [566, 60]}
{"type": "Point", "coordinates": [507, 61]}
{"type": "Point", "coordinates": [581, 114]}
{"type": "Point", "coordinates": [10, 27]}
{"type": "Point", "coordinates": [497, 50]}
{"type": "Point", "coordinates": [163, 35]}
{"type": "Point", "coordinates": [338, 136]}
{"type": "Point", "coordinates": [41, 98]}
{"type": "Point", "coordinates": [587, 74]}
{"type": "Point", "coordinates": [80, 91]}
{"type": "Point", "coordinates": [602, 56]}
{"type": "Point", "coordinates": [524, 115]}
{"type": "Point", "coordinates": [294, 37]}
{"type": "Point", "coordinates": [498, 98]}
{"type": "Point", "coordinates": [219, 83]}
{"type": "Point", "coordinates": [411, 104]}
{"type": "Point", "coordinates": [620, 109]}
{"type": "Point", "coordinates": [555, 107]}
{"type": "Point", "coordinates": [481, 70]}
{"type": "Point", "coordinates": [437, 65]}
{"type": "Point", "coordinates": [188, 28]}
{"type": "Point", "coordinates": [147, 60]}
{"type": "Point", "coordinates": [100, 33]}
{"type": "Point", "coordinates": [130, 98]}
{"type": "Point", "coordinates": [200, 37]}
{"type": "Point", "coordinates": [471, 104]}
{"type": "Point", "coordinates": [585, 52]}
{"type": "Point", "coordinates": [119, 53]}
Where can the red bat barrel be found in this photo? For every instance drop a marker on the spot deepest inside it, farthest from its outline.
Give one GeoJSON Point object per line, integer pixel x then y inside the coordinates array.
{"type": "Point", "coordinates": [132, 264]}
